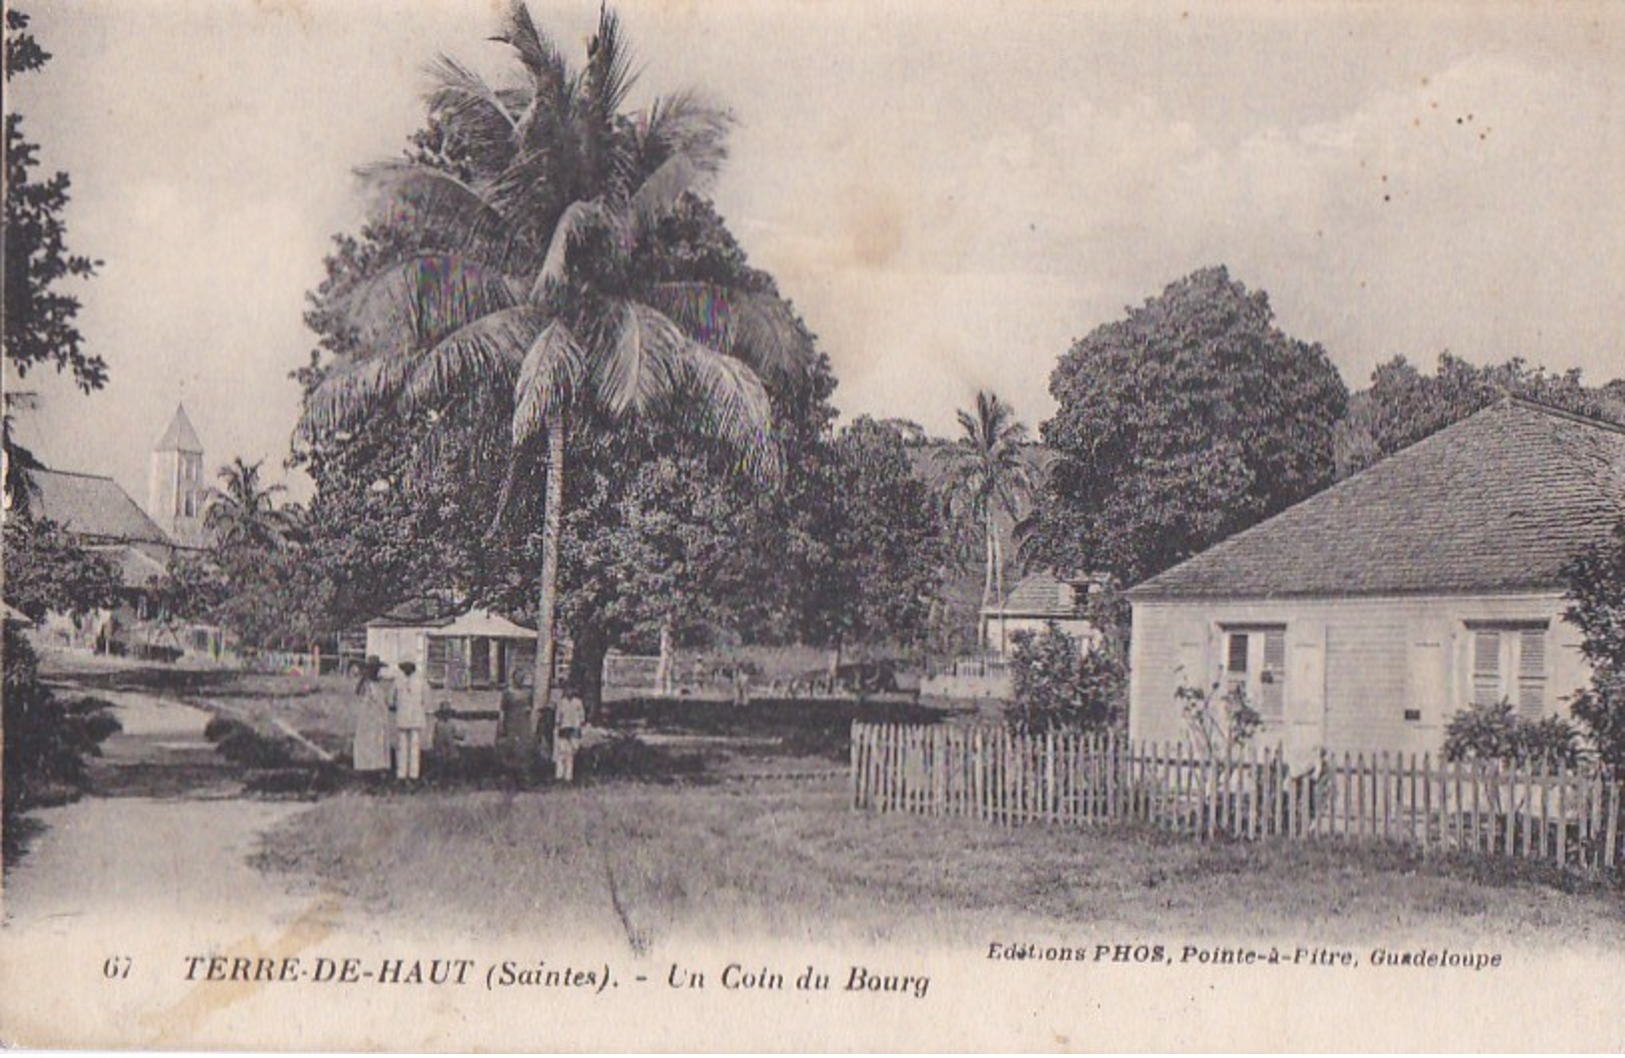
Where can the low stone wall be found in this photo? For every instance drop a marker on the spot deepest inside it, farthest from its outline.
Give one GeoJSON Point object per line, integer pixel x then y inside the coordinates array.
{"type": "Point", "coordinates": [992, 687]}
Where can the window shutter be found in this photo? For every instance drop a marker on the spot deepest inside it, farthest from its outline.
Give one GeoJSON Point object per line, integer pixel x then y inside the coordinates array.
{"type": "Point", "coordinates": [436, 673]}
{"type": "Point", "coordinates": [1532, 672]}
{"type": "Point", "coordinates": [1272, 680]}
{"type": "Point", "coordinates": [1237, 654]}
{"type": "Point", "coordinates": [1486, 667]}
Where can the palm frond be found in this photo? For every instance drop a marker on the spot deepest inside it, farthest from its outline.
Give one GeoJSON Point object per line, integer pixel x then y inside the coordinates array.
{"type": "Point", "coordinates": [350, 392]}
{"type": "Point", "coordinates": [681, 146]}
{"type": "Point", "coordinates": [456, 213]}
{"type": "Point", "coordinates": [634, 361]}
{"type": "Point", "coordinates": [687, 124]}
{"type": "Point", "coordinates": [733, 406]}
{"type": "Point", "coordinates": [484, 351]}
{"type": "Point", "coordinates": [575, 220]}
{"type": "Point", "coordinates": [536, 51]}
{"type": "Point", "coordinates": [609, 75]}
{"type": "Point", "coordinates": [662, 189]}
{"type": "Point", "coordinates": [757, 328]}
{"type": "Point", "coordinates": [417, 301]}
{"type": "Point", "coordinates": [552, 371]}
{"type": "Point", "coordinates": [469, 103]}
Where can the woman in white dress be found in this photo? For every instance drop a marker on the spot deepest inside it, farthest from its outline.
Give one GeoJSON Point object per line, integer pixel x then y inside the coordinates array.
{"type": "Point", "coordinates": [373, 730]}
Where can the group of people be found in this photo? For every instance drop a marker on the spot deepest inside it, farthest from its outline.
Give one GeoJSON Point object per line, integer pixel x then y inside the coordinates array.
{"type": "Point", "coordinates": [392, 715]}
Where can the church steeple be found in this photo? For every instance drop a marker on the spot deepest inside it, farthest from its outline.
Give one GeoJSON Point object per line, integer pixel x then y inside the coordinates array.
{"type": "Point", "coordinates": [176, 492]}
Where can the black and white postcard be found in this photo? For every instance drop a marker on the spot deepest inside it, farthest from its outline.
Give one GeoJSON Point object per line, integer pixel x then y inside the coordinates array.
{"type": "Point", "coordinates": [659, 526]}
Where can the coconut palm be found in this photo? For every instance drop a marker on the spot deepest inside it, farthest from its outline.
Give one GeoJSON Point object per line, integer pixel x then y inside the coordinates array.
{"type": "Point", "coordinates": [539, 294]}
{"type": "Point", "coordinates": [244, 514]}
{"type": "Point", "coordinates": [986, 473]}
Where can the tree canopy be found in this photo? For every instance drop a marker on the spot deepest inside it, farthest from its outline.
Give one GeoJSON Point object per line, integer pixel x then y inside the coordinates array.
{"type": "Point", "coordinates": [1403, 405]}
{"type": "Point", "coordinates": [40, 315]}
{"type": "Point", "coordinates": [1189, 419]}
{"type": "Point", "coordinates": [537, 292]}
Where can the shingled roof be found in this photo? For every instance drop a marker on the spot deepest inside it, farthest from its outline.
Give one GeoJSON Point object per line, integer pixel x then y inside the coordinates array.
{"type": "Point", "coordinates": [1039, 594]}
{"type": "Point", "coordinates": [1500, 501]}
{"type": "Point", "coordinates": [94, 508]}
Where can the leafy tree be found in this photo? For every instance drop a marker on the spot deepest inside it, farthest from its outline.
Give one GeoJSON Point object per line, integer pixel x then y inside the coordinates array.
{"type": "Point", "coordinates": [1596, 594]}
{"type": "Point", "coordinates": [1187, 421]}
{"type": "Point", "coordinates": [542, 298]}
{"type": "Point", "coordinates": [887, 554]}
{"type": "Point", "coordinates": [987, 473]}
{"type": "Point", "coordinates": [1059, 685]}
{"type": "Point", "coordinates": [46, 571]}
{"type": "Point", "coordinates": [39, 316]}
{"type": "Point", "coordinates": [1403, 405]}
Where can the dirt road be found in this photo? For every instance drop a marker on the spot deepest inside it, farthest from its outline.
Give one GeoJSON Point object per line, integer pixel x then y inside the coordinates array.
{"type": "Point", "coordinates": [166, 834]}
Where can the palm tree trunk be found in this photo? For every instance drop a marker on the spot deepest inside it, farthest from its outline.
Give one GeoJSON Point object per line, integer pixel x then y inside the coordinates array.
{"type": "Point", "coordinates": [663, 669]}
{"type": "Point", "coordinates": [998, 583]}
{"type": "Point", "coordinates": [547, 602]}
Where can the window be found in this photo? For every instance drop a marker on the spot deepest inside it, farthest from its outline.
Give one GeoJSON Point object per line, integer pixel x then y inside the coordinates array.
{"type": "Point", "coordinates": [1255, 664]}
{"type": "Point", "coordinates": [1508, 661]}
{"type": "Point", "coordinates": [191, 505]}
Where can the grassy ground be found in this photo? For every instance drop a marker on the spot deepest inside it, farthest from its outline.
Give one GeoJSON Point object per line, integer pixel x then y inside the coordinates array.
{"type": "Point", "coordinates": [788, 860]}
{"type": "Point", "coordinates": [701, 819]}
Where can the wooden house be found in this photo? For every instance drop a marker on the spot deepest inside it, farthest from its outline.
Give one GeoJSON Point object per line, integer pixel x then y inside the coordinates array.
{"type": "Point", "coordinates": [469, 650]}
{"type": "Point", "coordinates": [1036, 601]}
{"type": "Point", "coordinates": [1366, 616]}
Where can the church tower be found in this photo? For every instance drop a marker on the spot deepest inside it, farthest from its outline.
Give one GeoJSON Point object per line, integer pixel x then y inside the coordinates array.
{"type": "Point", "coordinates": [176, 491]}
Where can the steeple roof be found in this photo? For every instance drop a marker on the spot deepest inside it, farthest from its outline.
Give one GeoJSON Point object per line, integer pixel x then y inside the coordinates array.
{"type": "Point", "coordinates": [179, 437]}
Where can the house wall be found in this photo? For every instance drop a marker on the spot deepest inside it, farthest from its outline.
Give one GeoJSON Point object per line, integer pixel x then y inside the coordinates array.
{"type": "Point", "coordinates": [395, 645]}
{"type": "Point", "coordinates": [998, 636]}
{"type": "Point", "coordinates": [1353, 665]}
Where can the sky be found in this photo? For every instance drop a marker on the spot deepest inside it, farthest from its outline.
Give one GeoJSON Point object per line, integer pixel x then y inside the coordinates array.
{"type": "Point", "coordinates": [950, 193]}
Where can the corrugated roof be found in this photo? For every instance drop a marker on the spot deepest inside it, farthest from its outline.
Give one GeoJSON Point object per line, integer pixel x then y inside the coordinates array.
{"type": "Point", "coordinates": [94, 507]}
{"type": "Point", "coordinates": [1500, 501]}
{"type": "Point", "coordinates": [484, 623]}
{"type": "Point", "coordinates": [179, 435]}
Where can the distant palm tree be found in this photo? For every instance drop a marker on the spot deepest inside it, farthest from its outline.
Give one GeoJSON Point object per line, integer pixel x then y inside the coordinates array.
{"type": "Point", "coordinates": [244, 513]}
{"type": "Point", "coordinates": [986, 473]}
{"type": "Point", "coordinates": [541, 299]}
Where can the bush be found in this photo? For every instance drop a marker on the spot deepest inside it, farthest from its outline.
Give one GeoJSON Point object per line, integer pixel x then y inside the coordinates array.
{"type": "Point", "coordinates": [1496, 732]}
{"type": "Point", "coordinates": [1218, 722]}
{"type": "Point", "coordinates": [241, 744]}
{"type": "Point", "coordinates": [1059, 686]}
{"type": "Point", "coordinates": [46, 740]}
{"type": "Point", "coordinates": [1596, 582]}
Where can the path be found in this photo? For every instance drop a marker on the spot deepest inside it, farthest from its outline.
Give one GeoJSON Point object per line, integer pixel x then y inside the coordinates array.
{"type": "Point", "coordinates": [166, 834]}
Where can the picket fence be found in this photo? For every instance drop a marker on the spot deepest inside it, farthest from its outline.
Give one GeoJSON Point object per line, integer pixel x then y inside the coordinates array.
{"type": "Point", "coordinates": [1563, 815]}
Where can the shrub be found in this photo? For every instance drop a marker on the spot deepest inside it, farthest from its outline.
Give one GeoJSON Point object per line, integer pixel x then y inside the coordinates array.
{"type": "Point", "coordinates": [1218, 721]}
{"type": "Point", "coordinates": [1596, 582]}
{"type": "Point", "coordinates": [241, 744]}
{"type": "Point", "coordinates": [46, 739]}
{"type": "Point", "coordinates": [1496, 732]}
{"type": "Point", "coordinates": [1057, 685]}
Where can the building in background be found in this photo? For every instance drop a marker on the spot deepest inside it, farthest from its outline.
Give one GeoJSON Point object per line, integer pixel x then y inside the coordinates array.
{"type": "Point", "coordinates": [177, 491]}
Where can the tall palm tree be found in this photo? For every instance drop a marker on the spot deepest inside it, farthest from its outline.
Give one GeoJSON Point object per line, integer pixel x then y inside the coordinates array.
{"type": "Point", "coordinates": [986, 473]}
{"type": "Point", "coordinates": [539, 294]}
{"type": "Point", "coordinates": [244, 513]}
